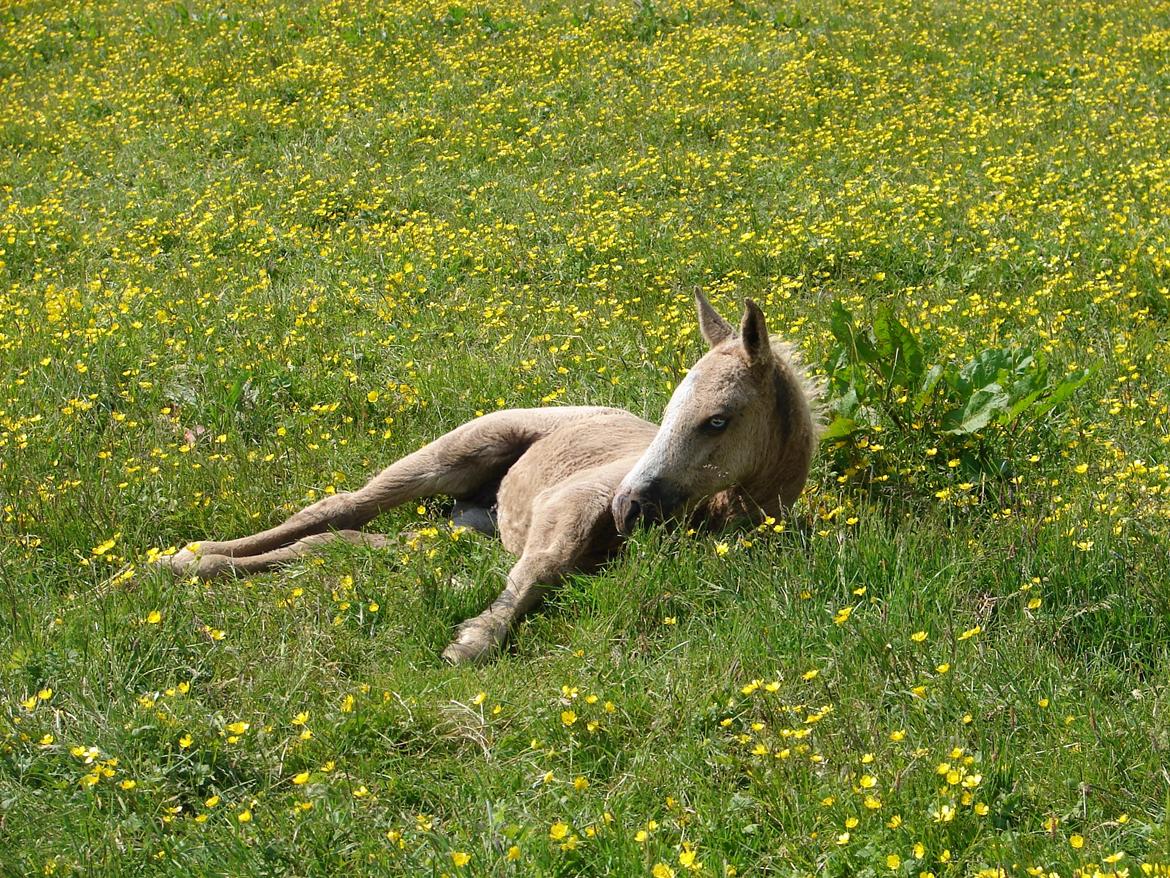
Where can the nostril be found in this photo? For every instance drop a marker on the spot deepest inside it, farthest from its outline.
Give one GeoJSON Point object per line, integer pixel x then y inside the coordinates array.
{"type": "Point", "coordinates": [626, 511]}
{"type": "Point", "coordinates": [633, 512]}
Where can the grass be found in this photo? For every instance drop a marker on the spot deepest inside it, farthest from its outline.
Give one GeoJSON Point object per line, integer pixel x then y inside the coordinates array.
{"type": "Point", "coordinates": [250, 253]}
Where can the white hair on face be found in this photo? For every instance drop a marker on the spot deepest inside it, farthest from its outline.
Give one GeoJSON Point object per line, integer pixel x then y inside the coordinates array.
{"type": "Point", "coordinates": [656, 457]}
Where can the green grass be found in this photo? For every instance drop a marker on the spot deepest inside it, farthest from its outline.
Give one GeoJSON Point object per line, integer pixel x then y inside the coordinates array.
{"type": "Point", "coordinates": [251, 253]}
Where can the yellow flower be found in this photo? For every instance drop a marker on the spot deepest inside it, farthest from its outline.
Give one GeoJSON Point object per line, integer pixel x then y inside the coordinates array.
{"type": "Point", "coordinates": [568, 717]}
{"type": "Point", "coordinates": [513, 853]}
{"type": "Point", "coordinates": [153, 617]}
{"type": "Point", "coordinates": [106, 546]}
{"type": "Point", "coordinates": [893, 861]}
{"type": "Point", "coordinates": [238, 728]}
{"type": "Point", "coordinates": [1077, 841]}
{"type": "Point", "coordinates": [661, 870]}
{"type": "Point", "coordinates": [244, 816]}
{"type": "Point", "coordinates": [460, 859]}
{"type": "Point", "coordinates": [185, 741]}
{"type": "Point", "coordinates": [842, 615]}
{"type": "Point", "coordinates": [301, 778]}
{"type": "Point", "coordinates": [558, 830]}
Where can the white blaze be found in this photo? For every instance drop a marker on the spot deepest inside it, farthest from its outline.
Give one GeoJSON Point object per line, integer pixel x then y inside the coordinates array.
{"type": "Point", "coordinates": [658, 456]}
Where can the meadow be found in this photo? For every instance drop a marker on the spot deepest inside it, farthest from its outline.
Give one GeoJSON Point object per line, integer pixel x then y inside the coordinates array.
{"type": "Point", "coordinates": [252, 252]}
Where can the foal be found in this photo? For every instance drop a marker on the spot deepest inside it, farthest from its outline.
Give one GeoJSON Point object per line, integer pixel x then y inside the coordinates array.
{"type": "Point", "coordinates": [563, 486]}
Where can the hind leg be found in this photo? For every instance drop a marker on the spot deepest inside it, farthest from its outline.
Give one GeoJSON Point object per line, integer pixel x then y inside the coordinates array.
{"type": "Point", "coordinates": [206, 566]}
{"type": "Point", "coordinates": [572, 530]}
{"type": "Point", "coordinates": [458, 464]}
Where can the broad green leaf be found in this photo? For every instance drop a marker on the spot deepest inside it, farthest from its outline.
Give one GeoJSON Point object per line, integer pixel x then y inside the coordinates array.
{"type": "Point", "coordinates": [1064, 390]}
{"type": "Point", "coordinates": [840, 428]}
{"type": "Point", "coordinates": [983, 405]}
{"type": "Point", "coordinates": [984, 369]}
{"type": "Point", "coordinates": [1020, 406]}
{"type": "Point", "coordinates": [841, 324]}
{"type": "Point", "coordinates": [857, 344]}
{"type": "Point", "coordinates": [928, 385]}
{"type": "Point", "coordinates": [901, 354]}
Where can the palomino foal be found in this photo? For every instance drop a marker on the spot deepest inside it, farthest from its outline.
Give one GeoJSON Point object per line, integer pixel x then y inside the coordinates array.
{"type": "Point", "coordinates": [563, 486]}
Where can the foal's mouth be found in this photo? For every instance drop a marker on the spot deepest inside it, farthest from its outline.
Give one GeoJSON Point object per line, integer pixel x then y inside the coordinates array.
{"type": "Point", "coordinates": [650, 505]}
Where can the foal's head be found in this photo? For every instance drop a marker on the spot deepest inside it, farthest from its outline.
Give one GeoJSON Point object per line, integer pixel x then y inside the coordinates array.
{"type": "Point", "coordinates": [741, 419]}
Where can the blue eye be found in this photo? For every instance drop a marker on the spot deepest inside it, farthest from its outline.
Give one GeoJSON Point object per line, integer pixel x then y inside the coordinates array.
{"type": "Point", "coordinates": [716, 424]}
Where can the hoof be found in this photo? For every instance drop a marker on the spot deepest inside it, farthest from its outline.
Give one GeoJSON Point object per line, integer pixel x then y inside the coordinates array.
{"type": "Point", "coordinates": [179, 563]}
{"type": "Point", "coordinates": [211, 566]}
{"type": "Point", "coordinates": [471, 646]}
{"type": "Point", "coordinates": [187, 563]}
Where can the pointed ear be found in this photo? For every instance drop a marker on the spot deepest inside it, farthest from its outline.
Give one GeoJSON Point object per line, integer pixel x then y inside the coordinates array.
{"type": "Point", "coordinates": [754, 334]}
{"type": "Point", "coordinates": [715, 329]}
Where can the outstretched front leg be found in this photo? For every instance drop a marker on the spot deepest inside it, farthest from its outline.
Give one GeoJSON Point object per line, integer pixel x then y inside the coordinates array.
{"type": "Point", "coordinates": [572, 530]}
{"type": "Point", "coordinates": [460, 464]}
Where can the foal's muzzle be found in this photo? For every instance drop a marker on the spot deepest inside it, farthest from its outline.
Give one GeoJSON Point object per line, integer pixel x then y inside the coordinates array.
{"type": "Point", "coordinates": [648, 505]}
{"type": "Point", "coordinates": [627, 509]}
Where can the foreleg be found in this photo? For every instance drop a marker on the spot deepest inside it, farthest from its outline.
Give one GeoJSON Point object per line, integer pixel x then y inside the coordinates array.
{"type": "Point", "coordinates": [572, 529]}
{"type": "Point", "coordinates": [528, 581]}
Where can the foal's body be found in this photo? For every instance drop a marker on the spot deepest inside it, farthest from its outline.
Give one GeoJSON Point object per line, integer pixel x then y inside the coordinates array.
{"type": "Point", "coordinates": [563, 485]}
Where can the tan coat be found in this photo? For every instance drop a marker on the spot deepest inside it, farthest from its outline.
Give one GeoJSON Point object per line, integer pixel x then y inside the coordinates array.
{"type": "Point", "coordinates": [564, 485]}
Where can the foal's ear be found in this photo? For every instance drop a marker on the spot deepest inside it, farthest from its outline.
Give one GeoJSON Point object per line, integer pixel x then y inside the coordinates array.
{"type": "Point", "coordinates": [753, 331]}
{"type": "Point", "coordinates": [715, 329]}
